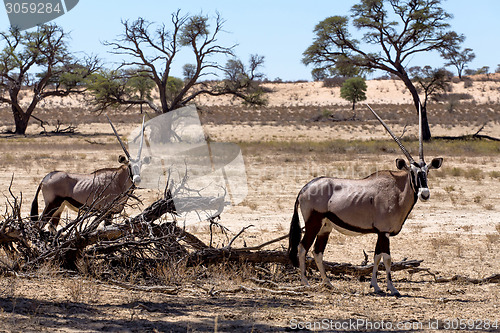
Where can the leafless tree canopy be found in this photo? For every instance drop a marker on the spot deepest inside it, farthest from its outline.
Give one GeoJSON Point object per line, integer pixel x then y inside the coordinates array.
{"type": "Point", "coordinates": [149, 51]}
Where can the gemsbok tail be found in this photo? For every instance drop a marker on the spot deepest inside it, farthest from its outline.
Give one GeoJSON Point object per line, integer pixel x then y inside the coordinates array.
{"type": "Point", "coordinates": [294, 236]}
{"type": "Point", "coordinates": [34, 205]}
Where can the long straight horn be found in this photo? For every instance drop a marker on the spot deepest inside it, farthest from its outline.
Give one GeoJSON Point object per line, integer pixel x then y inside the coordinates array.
{"type": "Point", "coordinates": [420, 135]}
{"type": "Point", "coordinates": [407, 154]}
{"type": "Point", "coordinates": [142, 140]}
{"type": "Point", "coordinates": [120, 140]}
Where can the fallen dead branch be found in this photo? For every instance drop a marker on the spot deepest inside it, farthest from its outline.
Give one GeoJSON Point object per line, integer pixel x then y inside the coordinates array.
{"type": "Point", "coordinates": [59, 130]}
{"type": "Point", "coordinates": [495, 278]}
{"type": "Point", "coordinates": [216, 255]}
{"type": "Point", "coordinates": [241, 288]}
{"type": "Point", "coordinates": [470, 136]}
{"type": "Point", "coordinates": [171, 290]}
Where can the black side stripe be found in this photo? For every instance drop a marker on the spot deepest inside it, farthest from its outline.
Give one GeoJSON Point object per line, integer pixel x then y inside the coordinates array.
{"type": "Point", "coordinates": [337, 221]}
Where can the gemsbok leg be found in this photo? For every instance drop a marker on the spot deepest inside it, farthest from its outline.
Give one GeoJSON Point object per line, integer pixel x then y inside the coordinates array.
{"type": "Point", "coordinates": [319, 249]}
{"type": "Point", "coordinates": [313, 223]}
{"type": "Point", "coordinates": [317, 231]}
{"type": "Point", "coordinates": [383, 252]}
{"type": "Point", "coordinates": [52, 214]}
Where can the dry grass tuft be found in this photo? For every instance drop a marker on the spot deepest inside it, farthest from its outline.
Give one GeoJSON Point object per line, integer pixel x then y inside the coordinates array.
{"type": "Point", "coordinates": [491, 240]}
{"type": "Point", "coordinates": [467, 228]}
{"type": "Point", "coordinates": [83, 290]}
{"type": "Point", "coordinates": [494, 174]}
{"type": "Point", "coordinates": [474, 174]}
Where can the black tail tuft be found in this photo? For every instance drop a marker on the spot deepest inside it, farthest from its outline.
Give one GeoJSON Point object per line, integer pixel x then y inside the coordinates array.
{"type": "Point", "coordinates": [294, 237]}
{"type": "Point", "coordinates": [34, 205]}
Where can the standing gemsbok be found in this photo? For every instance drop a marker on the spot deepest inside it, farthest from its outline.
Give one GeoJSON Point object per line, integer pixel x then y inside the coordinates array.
{"type": "Point", "coordinates": [102, 189]}
{"type": "Point", "coordinates": [379, 203]}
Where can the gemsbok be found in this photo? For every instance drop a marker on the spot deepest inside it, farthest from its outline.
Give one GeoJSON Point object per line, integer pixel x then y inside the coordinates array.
{"type": "Point", "coordinates": [104, 189]}
{"type": "Point", "coordinates": [379, 203]}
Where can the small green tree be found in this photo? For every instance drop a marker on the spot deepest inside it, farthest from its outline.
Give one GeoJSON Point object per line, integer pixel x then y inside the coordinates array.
{"type": "Point", "coordinates": [353, 90]}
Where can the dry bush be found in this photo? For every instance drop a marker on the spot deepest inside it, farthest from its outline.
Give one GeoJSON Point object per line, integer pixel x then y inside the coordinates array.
{"type": "Point", "coordinates": [474, 174]}
{"type": "Point", "coordinates": [438, 243]}
{"type": "Point", "coordinates": [489, 207]}
{"type": "Point", "coordinates": [494, 174]}
{"type": "Point", "coordinates": [333, 82]}
{"type": "Point", "coordinates": [491, 240]}
{"type": "Point", "coordinates": [467, 228]}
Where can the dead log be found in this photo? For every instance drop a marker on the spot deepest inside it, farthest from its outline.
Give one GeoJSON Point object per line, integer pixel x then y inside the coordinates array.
{"type": "Point", "coordinates": [212, 255]}
{"type": "Point", "coordinates": [495, 278]}
{"type": "Point", "coordinates": [469, 136]}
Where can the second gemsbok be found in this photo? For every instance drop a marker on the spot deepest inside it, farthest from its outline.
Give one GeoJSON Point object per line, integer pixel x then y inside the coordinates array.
{"type": "Point", "coordinates": [379, 203]}
{"type": "Point", "coordinates": [104, 189]}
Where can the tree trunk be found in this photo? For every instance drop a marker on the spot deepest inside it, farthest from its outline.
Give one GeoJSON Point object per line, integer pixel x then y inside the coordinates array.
{"type": "Point", "coordinates": [163, 98]}
{"type": "Point", "coordinates": [21, 120]}
{"type": "Point", "coordinates": [353, 105]}
{"type": "Point", "coordinates": [426, 131]}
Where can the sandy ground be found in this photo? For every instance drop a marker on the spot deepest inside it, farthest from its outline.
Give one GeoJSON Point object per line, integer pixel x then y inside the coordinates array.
{"type": "Point", "coordinates": [378, 92]}
{"type": "Point", "coordinates": [456, 232]}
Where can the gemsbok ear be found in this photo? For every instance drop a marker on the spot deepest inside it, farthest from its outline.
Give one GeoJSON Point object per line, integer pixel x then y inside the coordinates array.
{"type": "Point", "coordinates": [401, 164]}
{"type": "Point", "coordinates": [122, 159]}
{"type": "Point", "coordinates": [436, 163]}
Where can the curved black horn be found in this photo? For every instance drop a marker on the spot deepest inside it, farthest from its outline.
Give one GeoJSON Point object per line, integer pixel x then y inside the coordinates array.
{"type": "Point", "coordinates": [142, 139]}
{"type": "Point", "coordinates": [407, 154]}
{"type": "Point", "coordinates": [120, 140]}
{"type": "Point", "coordinates": [420, 135]}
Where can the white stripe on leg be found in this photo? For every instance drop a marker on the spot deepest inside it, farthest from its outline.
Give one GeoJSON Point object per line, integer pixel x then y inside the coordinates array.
{"type": "Point", "coordinates": [318, 257]}
{"type": "Point", "coordinates": [374, 284]}
{"type": "Point", "coordinates": [387, 264]}
{"type": "Point", "coordinates": [302, 264]}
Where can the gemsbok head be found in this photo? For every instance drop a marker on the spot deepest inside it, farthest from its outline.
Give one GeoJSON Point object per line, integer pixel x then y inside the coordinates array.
{"type": "Point", "coordinates": [107, 188]}
{"type": "Point", "coordinates": [379, 203]}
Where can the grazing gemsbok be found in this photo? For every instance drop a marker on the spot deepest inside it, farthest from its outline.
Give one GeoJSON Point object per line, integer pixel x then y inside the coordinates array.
{"type": "Point", "coordinates": [107, 188]}
{"type": "Point", "coordinates": [379, 203]}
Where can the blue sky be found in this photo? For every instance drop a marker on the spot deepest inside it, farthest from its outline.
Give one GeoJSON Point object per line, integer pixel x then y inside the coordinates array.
{"type": "Point", "coordinates": [277, 29]}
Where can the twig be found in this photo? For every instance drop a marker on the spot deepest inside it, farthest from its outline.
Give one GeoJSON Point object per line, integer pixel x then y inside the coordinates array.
{"type": "Point", "coordinates": [365, 261]}
{"type": "Point", "coordinates": [495, 278]}
{"type": "Point", "coordinates": [92, 142]}
{"type": "Point", "coordinates": [158, 289]}
{"type": "Point", "coordinates": [242, 288]}
{"type": "Point", "coordinates": [238, 235]}
{"type": "Point", "coordinates": [258, 247]}
{"type": "Point", "coordinates": [480, 129]}
{"type": "Point", "coordinates": [470, 136]}
{"type": "Point", "coordinates": [403, 132]}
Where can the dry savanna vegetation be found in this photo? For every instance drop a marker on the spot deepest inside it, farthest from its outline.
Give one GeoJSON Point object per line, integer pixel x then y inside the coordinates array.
{"type": "Point", "coordinates": [305, 131]}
